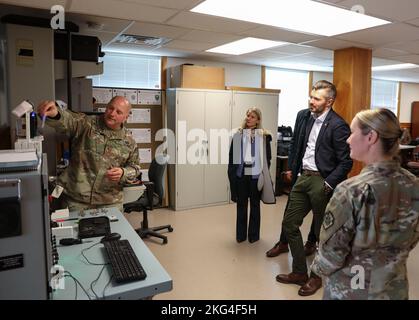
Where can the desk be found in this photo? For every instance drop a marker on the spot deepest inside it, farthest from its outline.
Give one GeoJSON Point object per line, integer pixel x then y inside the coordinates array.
{"type": "Point", "coordinates": [157, 280]}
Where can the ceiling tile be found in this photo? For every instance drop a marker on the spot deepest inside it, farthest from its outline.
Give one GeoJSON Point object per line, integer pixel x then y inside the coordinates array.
{"type": "Point", "coordinates": [177, 4]}
{"type": "Point", "coordinates": [109, 24]}
{"type": "Point", "coordinates": [266, 54]}
{"type": "Point", "coordinates": [292, 49]}
{"type": "Point", "coordinates": [414, 21]}
{"type": "Point", "coordinates": [384, 52]}
{"type": "Point", "coordinates": [210, 37]}
{"type": "Point", "coordinates": [407, 46]}
{"type": "Point", "coordinates": [156, 30]}
{"type": "Point", "coordinates": [334, 44]}
{"type": "Point", "coordinates": [41, 4]}
{"type": "Point", "coordinates": [383, 62]}
{"type": "Point", "coordinates": [328, 1]}
{"type": "Point", "coordinates": [277, 34]}
{"type": "Point", "coordinates": [379, 36]}
{"type": "Point", "coordinates": [400, 10]}
{"type": "Point", "coordinates": [209, 23]}
{"type": "Point", "coordinates": [189, 45]}
{"type": "Point", "coordinates": [105, 37]}
{"type": "Point", "coordinates": [122, 10]}
{"type": "Point", "coordinates": [131, 48]}
{"type": "Point", "coordinates": [414, 58]}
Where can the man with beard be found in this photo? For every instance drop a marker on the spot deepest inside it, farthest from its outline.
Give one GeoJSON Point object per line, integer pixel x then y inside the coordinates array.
{"type": "Point", "coordinates": [320, 161]}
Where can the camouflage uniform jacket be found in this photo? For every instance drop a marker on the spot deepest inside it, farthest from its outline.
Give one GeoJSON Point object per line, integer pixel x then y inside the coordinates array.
{"type": "Point", "coordinates": [370, 225]}
{"type": "Point", "coordinates": [95, 148]}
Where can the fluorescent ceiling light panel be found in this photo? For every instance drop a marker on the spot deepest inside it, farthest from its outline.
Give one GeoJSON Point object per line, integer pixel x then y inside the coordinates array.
{"type": "Point", "coordinates": [246, 45]}
{"type": "Point", "coordinates": [297, 15]}
{"type": "Point", "coordinates": [395, 67]}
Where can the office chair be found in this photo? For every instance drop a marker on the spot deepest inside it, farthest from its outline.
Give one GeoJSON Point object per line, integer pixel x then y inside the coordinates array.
{"type": "Point", "coordinates": [413, 165]}
{"type": "Point", "coordinates": [152, 197]}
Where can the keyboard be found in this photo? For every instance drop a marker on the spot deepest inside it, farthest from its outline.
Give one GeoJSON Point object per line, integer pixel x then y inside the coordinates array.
{"type": "Point", "coordinates": [124, 262]}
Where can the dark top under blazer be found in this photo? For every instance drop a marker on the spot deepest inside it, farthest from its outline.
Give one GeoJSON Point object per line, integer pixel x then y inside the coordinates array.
{"type": "Point", "coordinates": [331, 152]}
{"type": "Point", "coordinates": [232, 168]}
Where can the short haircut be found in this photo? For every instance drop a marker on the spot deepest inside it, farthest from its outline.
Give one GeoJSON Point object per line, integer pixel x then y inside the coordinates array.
{"type": "Point", "coordinates": [323, 84]}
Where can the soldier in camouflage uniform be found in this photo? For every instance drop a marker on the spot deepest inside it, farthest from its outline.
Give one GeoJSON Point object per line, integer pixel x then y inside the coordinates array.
{"type": "Point", "coordinates": [371, 222]}
{"type": "Point", "coordinates": [104, 155]}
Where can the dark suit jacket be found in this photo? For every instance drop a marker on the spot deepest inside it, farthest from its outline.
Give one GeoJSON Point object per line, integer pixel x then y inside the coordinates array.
{"type": "Point", "coordinates": [332, 151]}
{"type": "Point", "coordinates": [232, 167]}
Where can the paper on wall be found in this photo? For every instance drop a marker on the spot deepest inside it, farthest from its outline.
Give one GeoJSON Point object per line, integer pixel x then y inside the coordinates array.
{"type": "Point", "coordinates": [129, 94]}
{"type": "Point", "coordinates": [144, 176]}
{"type": "Point", "coordinates": [149, 97]}
{"type": "Point", "coordinates": [141, 135]}
{"type": "Point", "coordinates": [145, 155]}
{"type": "Point", "coordinates": [140, 116]}
{"type": "Point", "coordinates": [102, 95]}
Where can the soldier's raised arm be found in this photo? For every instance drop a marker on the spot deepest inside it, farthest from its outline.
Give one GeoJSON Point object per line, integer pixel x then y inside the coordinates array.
{"type": "Point", "coordinates": [62, 121]}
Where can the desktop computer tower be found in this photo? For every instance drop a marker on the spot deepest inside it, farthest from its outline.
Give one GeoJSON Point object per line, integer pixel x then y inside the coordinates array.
{"type": "Point", "coordinates": [25, 233]}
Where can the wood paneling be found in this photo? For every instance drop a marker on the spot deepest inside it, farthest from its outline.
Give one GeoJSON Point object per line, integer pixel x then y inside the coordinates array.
{"type": "Point", "coordinates": [406, 125]}
{"type": "Point", "coordinates": [263, 77]}
{"type": "Point", "coordinates": [352, 78]}
{"type": "Point", "coordinates": [253, 89]}
{"type": "Point", "coordinates": [163, 70]}
{"type": "Point", "coordinates": [415, 120]}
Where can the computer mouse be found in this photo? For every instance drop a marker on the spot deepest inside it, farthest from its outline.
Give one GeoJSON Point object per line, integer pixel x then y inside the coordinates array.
{"type": "Point", "coordinates": [111, 237]}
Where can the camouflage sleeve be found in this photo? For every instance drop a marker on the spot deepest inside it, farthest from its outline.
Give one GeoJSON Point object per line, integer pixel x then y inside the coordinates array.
{"type": "Point", "coordinates": [68, 123]}
{"type": "Point", "coordinates": [415, 236]}
{"type": "Point", "coordinates": [132, 167]}
{"type": "Point", "coordinates": [336, 235]}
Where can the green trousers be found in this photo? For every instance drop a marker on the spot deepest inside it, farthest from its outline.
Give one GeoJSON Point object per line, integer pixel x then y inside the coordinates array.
{"type": "Point", "coordinates": [307, 194]}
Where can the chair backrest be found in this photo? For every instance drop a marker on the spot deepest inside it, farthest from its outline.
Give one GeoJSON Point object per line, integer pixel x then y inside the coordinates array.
{"type": "Point", "coordinates": [416, 154]}
{"type": "Point", "coordinates": [156, 172]}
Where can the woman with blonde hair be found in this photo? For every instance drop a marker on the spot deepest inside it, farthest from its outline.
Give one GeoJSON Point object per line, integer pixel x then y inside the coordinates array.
{"type": "Point", "coordinates": [248, 172]}
{"type": "Point", "coordinates": [371, 222]}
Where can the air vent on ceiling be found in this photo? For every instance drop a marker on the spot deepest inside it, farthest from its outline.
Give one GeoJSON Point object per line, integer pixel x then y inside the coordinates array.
{"type": "Point", "coordinates": [141, 40]}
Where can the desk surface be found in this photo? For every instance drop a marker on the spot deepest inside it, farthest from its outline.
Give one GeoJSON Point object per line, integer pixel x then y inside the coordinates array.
{"type": "Point", "coordinates": [70, 257]}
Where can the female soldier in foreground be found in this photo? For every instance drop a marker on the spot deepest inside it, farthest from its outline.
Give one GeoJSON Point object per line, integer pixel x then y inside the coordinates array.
{"type": "Point", "coordinates": [371, 222]}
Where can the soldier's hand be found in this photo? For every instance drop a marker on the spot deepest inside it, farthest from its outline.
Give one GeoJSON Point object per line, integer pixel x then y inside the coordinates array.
{"type": "Point", "coordinates": [47, 108]}
{"type": "Point", "coordinates": [114, 174]}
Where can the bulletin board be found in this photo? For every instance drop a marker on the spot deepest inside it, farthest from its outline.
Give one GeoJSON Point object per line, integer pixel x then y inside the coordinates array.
{"type": "Point", "coordinates": [145, 120]}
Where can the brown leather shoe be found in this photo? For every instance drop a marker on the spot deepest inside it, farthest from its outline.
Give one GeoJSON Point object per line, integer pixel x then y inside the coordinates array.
{"type": "Point", "coordinates": [294, 278]}
{"type": "Point", "coordinates": [310, 287]}
{"type": "Point", "coordinates": [310, 248]}
{"type": "Point", "coordinates": [277, 250]}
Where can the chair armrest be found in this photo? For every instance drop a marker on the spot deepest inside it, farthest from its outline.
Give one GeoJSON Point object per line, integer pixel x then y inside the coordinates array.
{"type": "Point", "coordinates": [150, 192]}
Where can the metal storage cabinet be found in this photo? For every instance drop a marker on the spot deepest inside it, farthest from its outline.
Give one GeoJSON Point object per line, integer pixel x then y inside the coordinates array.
{"type": "Point", "coordinates": [206, 184]}
{"type": "Point", "coordinates": [200, 184]}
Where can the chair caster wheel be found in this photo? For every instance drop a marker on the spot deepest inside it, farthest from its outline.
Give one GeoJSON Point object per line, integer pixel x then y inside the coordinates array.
{"type": "Point", "coordinates": [170, 229]}
{"type": "Point", "coordinates": [164, 241]}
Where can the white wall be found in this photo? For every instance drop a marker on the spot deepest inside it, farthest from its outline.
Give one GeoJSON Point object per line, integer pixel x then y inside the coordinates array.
{"type": "Point", "coordinates": [317, 75]}
{"type": "Point", "coordinates": [246, 75]}
{"type": "Point", "coordinates": [409, 92]}
{"type": "Point", "coordinates": [239, 75]}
